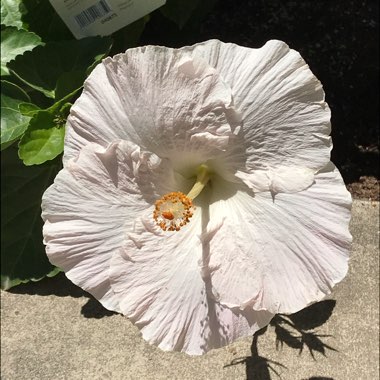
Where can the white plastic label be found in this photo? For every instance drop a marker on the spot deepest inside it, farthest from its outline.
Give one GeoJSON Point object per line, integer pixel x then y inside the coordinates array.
{"type": "Point", "coordinates": [102, 17]}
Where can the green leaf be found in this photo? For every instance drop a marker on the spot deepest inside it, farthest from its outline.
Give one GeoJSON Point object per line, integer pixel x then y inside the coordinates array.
{"type": "Point", "coordinates": [64, 112]}
{"type": "Point", "coordinates": [13, 123]}
{"type": "Point", "coordinates": [179, 11]}
{"type": "Point", "coordinates": [4, 71]}
{"type": "Point", "coordinates": [7, 144]}
{"type": "Point", "coordinates": [41, 18]}
{"type": "Point", "coordinates": [43, 139]}
{"type": "Point", "coordinates": [23, 255]}
{"type": "Point", "coordinates": [42, 67]}
{"type": "Point", "coordinates": [12, 91]}
{"type": "Point", "coordinates": [62, 107]}
{"type": "Point", "coordinates": [10, 13]}
{"type": "Point", "coordinates": [68, 83]}
{"type": "Point", "coordinates": [28, 109]}
{"type": "Point", "coordinates": [15, 42]}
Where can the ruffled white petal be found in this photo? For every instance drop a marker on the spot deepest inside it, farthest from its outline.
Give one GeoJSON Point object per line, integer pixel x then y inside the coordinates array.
{"type": "Point", "coordinates": [279, 254]}
{"type": "Point", "coordinates": [162, 284]}
{"type": "Point", "coordinates": [91, 205]}
{"type": "Point", "coordinates": [166, 101]}
{"type": "Point", "coordinates": [96, 116]}
{"type": "Point", "coordinates": [273, 239]}
{"type": "Point", "coordinates": [279, 180]}
{"type": "Point", "coordinates": [286, 120]}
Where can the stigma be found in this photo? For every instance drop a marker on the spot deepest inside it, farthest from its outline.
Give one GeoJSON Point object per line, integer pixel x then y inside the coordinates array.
{"type": "Point", "coordinates": [174, 210]}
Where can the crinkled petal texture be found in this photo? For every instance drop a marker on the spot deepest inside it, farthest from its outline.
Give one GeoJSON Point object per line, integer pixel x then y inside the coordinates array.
{"type": "Point", "coordinates": [270, 235]}
{"type": "Point", "coordinates": [91, 205]}
{"type": "Point", "coordinates": [174, 102]}
{"type": "Point", "coordinates": [163, 285]}
{"type": "Point", "coordinates": [94, 232]}
{"type": "Point", "coordinates": [279, 254]}
{"type": "Point", "coordinates": [282, 104]}
{"type": "Point", "coordinates": [167, 102]}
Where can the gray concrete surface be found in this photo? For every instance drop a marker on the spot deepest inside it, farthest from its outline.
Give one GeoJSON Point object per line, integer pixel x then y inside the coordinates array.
{"type": "Point", "coordinates": [52, 330]}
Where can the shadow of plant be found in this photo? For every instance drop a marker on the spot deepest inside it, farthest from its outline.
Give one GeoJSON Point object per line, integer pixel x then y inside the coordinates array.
{"type": "Point", "coordinates": [257, 367]}
{"type": "Point", "coordinates": [60, 286]}
{"type": "Point", "coordinates": [295, 331]}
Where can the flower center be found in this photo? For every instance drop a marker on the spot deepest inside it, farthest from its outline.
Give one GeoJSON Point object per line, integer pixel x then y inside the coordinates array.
{"type": "Point", "coordinates": [175, 209]}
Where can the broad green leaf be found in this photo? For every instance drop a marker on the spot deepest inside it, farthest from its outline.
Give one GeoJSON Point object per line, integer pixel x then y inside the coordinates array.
{"type": "Point", "coordinates": [28, 109]}
{"type": "Point", "coordinates": [10, 13]}
{"type": "Point", "coordinates": [179, 11]}
{"type": "Point", "coordinates": [42, 67]}
{"type": "Point", "coordinates": [41, 18]}
{"type": "Point", "coordinates": [12, 91]}
{"type": "Point", "coordinates": [13, 123]}
{"type": "Point", "coordinates": [4, 71]}
{"type": "Point", "coordinates": [7, 144]}
{"type": "Point", "coordinates": [61, 108]}
{"type": "Point", "coordinates": [23, 255]}
{"type": "Point", "coordinates": [43, 139]}
{"type": "Point", "coordinates": [15, 42]}
{"type": "Point", "coordinates": [68, 83]}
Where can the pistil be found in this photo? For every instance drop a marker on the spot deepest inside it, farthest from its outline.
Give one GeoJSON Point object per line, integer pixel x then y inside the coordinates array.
{"type": "Point", "coordinates": [175, 209]}
{"type": "Point", "coordinates": [203, 177]}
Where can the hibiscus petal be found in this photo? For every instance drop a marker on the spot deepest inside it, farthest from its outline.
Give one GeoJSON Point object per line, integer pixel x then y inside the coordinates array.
{"type": "Point", "coordinates": [163, 286]}
{"type": "Point", "coordinates": [163, 99]}
{"type": "Point", "coordinates": [286, 118]}
{"type": "Point", "coordinates": [280, 254]}
{"type": "Point", "coordinates": [91, 204]}
{"type": "Point", "coordinates": [279, 180]}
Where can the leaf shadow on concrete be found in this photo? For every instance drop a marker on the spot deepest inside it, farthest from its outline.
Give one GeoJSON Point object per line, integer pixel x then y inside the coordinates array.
{"type": "Point", "coordinates": [61, 286]}
{"type": "Point", "coordinates": [295, 331]}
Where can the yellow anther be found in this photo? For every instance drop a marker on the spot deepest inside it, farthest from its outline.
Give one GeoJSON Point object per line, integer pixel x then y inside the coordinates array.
{"type": "Point", "coordinates": [175, 209]}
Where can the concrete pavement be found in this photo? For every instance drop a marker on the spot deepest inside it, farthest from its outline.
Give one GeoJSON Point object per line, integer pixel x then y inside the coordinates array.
{"type": "Point", "coordinates": [53, 330]}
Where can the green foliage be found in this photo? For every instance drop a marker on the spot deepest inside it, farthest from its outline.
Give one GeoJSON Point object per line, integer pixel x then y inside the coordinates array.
{"type": "Point", "coordinates": [42, 19]}
{"type": "Point", "coordinates": [10, 13]}
{"type": "Point", "coordinates": [13, 123]}
{"type": "Point", "coordinates": [44, 138]}
{"type": "Point", "coordinates": [23, 255]}
{"type": "Point", "coordinates": [15, 42]}
{"type": "Point", "coordinates": [69, 83]}
{"type": "Point", "coordinates": [28, 109]}
{"type": "Point", "coordinates": [43, 69]}
{"type": "Point", "coordinates": [38, 82]}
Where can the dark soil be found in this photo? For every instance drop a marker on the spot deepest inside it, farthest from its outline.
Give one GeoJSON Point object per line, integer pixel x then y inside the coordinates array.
{"type": "Point", "coordinates": [365, 188]}
{"type": "Point", "coordinates": [339, 41]}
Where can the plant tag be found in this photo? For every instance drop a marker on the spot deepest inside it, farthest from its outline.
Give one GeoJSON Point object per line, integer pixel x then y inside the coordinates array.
{"type": "Point", "coordinates": [102, 17]}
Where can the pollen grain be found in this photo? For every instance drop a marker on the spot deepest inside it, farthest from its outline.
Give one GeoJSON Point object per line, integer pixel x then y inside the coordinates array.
{"type": "Point", "coordinates": [173, 211]}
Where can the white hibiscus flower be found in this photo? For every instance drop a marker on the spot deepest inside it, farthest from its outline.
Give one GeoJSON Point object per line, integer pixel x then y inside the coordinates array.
{"type": "Point", "coordinates": [263, 228]}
